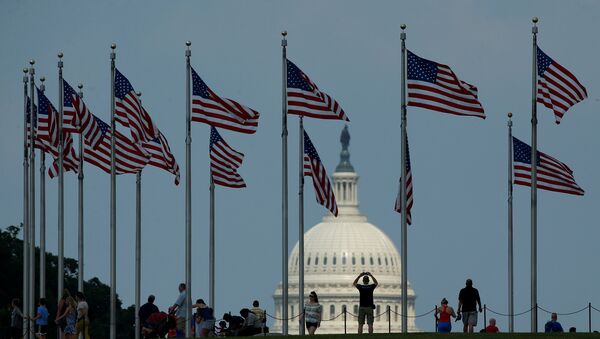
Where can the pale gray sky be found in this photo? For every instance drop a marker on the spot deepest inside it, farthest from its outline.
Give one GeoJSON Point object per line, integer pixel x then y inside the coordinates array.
{"type": "Point", "coordinates": [351, 49]}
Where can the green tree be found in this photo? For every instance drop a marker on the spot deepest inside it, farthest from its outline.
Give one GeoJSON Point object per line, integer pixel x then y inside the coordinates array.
{"type": "Point", "coordinates": [96, 292]}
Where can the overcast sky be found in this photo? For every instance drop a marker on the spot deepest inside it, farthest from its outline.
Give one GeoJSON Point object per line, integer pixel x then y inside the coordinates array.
{"type": "Point", "coordinates": [351, 49]}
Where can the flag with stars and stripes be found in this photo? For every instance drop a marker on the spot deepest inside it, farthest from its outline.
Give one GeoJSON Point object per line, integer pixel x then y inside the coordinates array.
{"type": "Point", "coordinates": [129, 156]}
{"type": "Point", "coordinates": [409, 190]}
{"type": "Point", "coordinates": [558, 89]}
{"type": "Point", "coordinates": [313, 167]}
{"type": "Point", "coordinates": [304, 97]}
{"type": "Point", "coordinates": [161, 155]}
{"type": "Point", "coordinates": [552, 175]}
{"type": "Point", "coordinates": [130, 113]}
{"type": "Point", "coordinates": [47, 137]}
{"type": "Point", "coordinates": [40, 136]}
{"type": "Point", "coordinates": [435, 86]}
{"type": "Point", "coordinates": [78, 118]}
{"type": "Point", "coordinates": [211, 109]}
{"type": "Point", "coordinates": [224, 162]}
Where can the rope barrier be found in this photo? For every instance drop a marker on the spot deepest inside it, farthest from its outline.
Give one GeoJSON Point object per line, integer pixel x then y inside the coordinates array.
{"type": "Point", "coordinates": [414, 316]}
{"type": "Point", "coordinates": [597, 310]}
{"type": "Point", "coordinates": [508, 315]}
{"type": "Point", "coordinates": [294, 317]}
{"type": "Point", "coordinates": [332, 319]}
{"type": "Point", "coordinates": [570, 313]}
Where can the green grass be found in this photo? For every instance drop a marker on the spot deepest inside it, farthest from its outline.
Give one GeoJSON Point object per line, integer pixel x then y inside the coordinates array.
{"type": "Point", "coordinates": [451, 335]}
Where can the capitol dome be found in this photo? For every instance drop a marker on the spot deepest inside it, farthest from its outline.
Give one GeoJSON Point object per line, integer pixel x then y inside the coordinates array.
{"type": "Point", "coordinates": [335, 252]}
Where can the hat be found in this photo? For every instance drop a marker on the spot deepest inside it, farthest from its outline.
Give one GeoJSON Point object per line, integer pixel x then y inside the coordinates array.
{"type": "Point", "coordinates": [444, 301]}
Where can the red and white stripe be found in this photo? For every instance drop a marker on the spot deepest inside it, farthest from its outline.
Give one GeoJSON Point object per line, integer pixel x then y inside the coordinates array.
{"type": "Point", "coordinates": [162, 157]}
{"type": "Point", "coordinates": [130, 113]}
{"type": "Point", "coordinates": [129, 157]}
{"type": "Point", "coordinates": [552, 175]}
{"type": "Point", "coordinates": [224, 162]}
{"type": "Point", "coordinates": [323, 189]}
{"type": "Point", "coordinates": [447, 95]}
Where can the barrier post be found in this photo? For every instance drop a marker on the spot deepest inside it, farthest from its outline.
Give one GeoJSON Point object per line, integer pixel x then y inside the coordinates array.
{"type": "Point", "coordinates": [435, 319]}
{"type": "Point", "coordinates": [344, 310]}
{"type": "Point", "coordinates": [389, 316]}
{"type": "Point", "coordinates": [484, 315]}
{"type": "Point", "coordinates": [590, 317]}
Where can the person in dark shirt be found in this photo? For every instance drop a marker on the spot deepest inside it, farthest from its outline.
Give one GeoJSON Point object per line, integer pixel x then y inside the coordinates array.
{"type": "Point", "coordinates": [468, 300]}
{"type": "Point", "coordinates": [147, 309]}
{"type": "Point", "coordinates": [235, 324]}
{"type": "Point", "coordinates": [366, 304]}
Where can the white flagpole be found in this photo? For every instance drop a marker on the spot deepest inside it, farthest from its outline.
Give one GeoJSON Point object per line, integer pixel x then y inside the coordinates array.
{"type": "Point", "coordinates": [534, 31]}
{"type": "Point", "coordinates": [42, 211]}
{"type": "Point", "coordinates": [188, 192]}
{"type": "Point", "coordinates": [61, 199]}
{"type": "Point", "coordinates": [211, 246]}
{"type": "Point", "coordinates": [80, 235]}
{"type": "Point", "coordinates": [138, 243]}
{"type": "Point", "coordinates": [511, 309]}
{"type": "Point", "coordinates": [113, 202]}
{"type": "Point", "coordinates": [284, 191]}
{"type": "Point", "coordinates": [404, 231]}
{"type": "Point", "coordinates": [32, 124]}
{"type": "Point", "coordinates": [25, 199]}
{"type": "Point", "coordinates": [301, 224]}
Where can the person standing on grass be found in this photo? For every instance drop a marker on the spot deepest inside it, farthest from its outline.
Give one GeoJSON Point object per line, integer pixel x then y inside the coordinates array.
{"type": "Point", "coordinates": [312, 313]}
{"type": "Point", "coordinates": [468, 300]}
{"type": "Point", "coordinates": [366, 304]}
{"type": "Point", "coordinates": [41, 319]}
{"type": "Point", "coordinates": [16, 320]}
{"type": "Point", "coordinates": [442, 315]}
{"type": "Point", "coordinates": [180, 308]}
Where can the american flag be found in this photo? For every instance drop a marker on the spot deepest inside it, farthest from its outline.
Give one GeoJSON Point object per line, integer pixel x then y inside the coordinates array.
{"type": "Point", "coordinates": [435, 86]}
{"type": "Point", "coordinates": [130, 113]}
{"type": "Point", "coordinates": [209, 108]}
{"type": "Point", "coordinates": [224, 162]}
{"type": "Point", "coordinates": [313, 167]}
{"type": "Point", "coordinates": [558, 89]}
{"type": "Point", "coordinates": [78, 118]}
{"type": "Point", "coordinates": [40, 140]}
{"type": "Point", "coordinates": [129, 157]}
{"type": "Point", "coordinates": [305, 98]}
{"type": "Point", "coordinates": [409, 190]}
{"type": "Point", "coordinates": [161, 155]}
{"type": "Point", "coordinates": [552, 175]}
{"type": "Point", "coordinates": [48, 137]}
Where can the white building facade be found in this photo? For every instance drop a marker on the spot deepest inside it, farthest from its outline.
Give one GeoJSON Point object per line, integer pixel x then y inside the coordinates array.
{"type": "Point", "coordinates": [335, 252]}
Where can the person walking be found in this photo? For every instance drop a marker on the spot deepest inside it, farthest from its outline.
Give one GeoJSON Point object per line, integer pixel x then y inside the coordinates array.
{"type": "Point", "coordinates": [179, 307]}
{"type": "Point", "coordinates": [16, 319]}
{"type": "Point", "coordinates": [468, 300]}
{"type": "Point", "coordinates": [41, 319]}
{"type": "Point", "coordinates": [366, 304]}
{"type": "Point", "coordinates": [312, 313]}
{"type": "Point", "coordinates": [443, 315]}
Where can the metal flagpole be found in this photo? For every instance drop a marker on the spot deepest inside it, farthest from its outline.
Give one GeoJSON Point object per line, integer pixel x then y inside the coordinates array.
{"type": "Point", "coordinates": [42, 211]}
{"type": "Point", "coordinates": [25, 199]}
{"type": "Point", "coordinates": [284, 191]}
{"type": "Point", "coordinates": [404, 231]}
{"type": "Point", "coordinates": [511, 309]}
{"type": "Point", "coordinates": [138, 243]}
{"type": "Point", "coordinates": [32, 124]}
{"type": "Point", "coordinates": [61, 196]}
{"type": "Point", "coordinates": [211, 247]}
{"type": "Point", "coordinates": [301, 223]}
{"type": "Point", "coordinates": [188, 191]}
{"type": "Point", "coordinates": [80, 235]}
{"type": "Point", "coordinates": [113, 202]}
{"type": "Point", "coordinates": [534, 31]}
